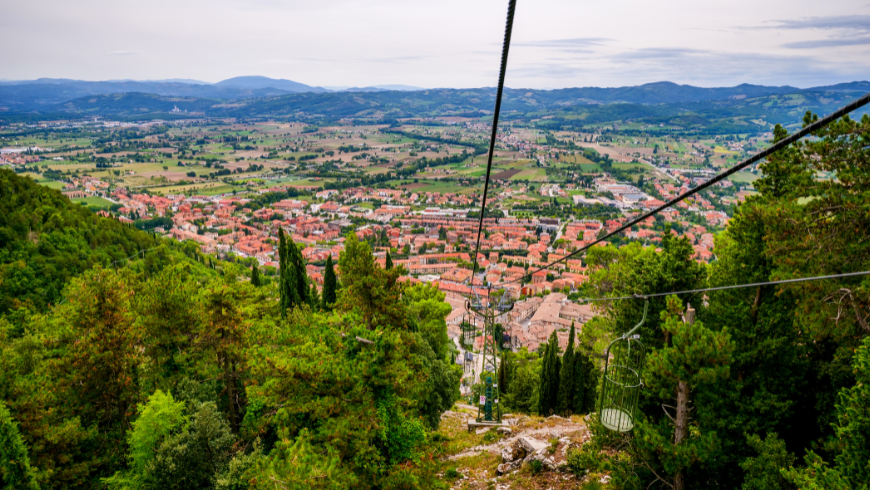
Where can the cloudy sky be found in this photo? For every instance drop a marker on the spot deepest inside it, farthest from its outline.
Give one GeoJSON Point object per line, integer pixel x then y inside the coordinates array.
{"type": "Point", "coordinates": [443, 43]}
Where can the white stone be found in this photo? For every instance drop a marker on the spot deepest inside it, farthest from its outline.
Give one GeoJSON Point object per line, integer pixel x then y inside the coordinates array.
{"type": "Point", "coordinates": [530, 444]}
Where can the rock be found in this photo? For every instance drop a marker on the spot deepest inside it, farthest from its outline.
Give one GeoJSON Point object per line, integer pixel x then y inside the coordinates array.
{"type": "Point", "coordinates": [604, 479]}
{"type": "Point", "coordinates": [482, 430]}
{"type": "Point", "coordinates": [448, 414]}
{"type": "Point", "coordinates": [562, 466]}
{"type": "Point", "coordinates": [530, 444]}
{"type": "Point", "coordinates": [549, 464]}
{"type": "Point", "coordinates": [557, 418]}
{"type": "Point", "coordinates": [514, 452]}
{"type": "Point", "coordinates": [505, 431]}
{"type": "Point", "coordinates": [508, 467]}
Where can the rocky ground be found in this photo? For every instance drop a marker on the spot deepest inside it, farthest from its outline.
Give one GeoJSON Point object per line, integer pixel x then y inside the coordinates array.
{"type": "Point", "coordinates": [505, 457]}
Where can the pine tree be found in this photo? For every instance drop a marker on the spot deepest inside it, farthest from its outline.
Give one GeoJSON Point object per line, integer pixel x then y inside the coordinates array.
{"type": "Point", "coordinates": [15, 469]}
{"type": "Point", "coordinates": [549, 386]}
{"type": "Point", "coordinates": [329, 284]}
{"type": "Point", "coordinates": [255, 276]}
{"type": "Point", "coordinates": [389, 264]}
{"type": "Point", "coordinates": [565, 398]}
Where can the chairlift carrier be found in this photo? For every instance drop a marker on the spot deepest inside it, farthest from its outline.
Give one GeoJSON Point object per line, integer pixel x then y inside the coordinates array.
{"type": "Point", "coordinates": [622, 381]}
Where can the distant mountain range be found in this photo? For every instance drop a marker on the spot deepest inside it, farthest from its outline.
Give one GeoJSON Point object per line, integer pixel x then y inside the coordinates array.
{"type": "Point", "coordinates": [27, 95]}
{"type": "Point", "coordinates": [251, 96]}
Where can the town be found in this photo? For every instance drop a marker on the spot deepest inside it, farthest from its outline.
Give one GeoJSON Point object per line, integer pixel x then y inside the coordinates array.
{"type": "Point", "coordinates": [231, 187]}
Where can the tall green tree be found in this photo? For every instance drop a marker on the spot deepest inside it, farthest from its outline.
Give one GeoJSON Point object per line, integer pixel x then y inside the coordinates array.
{"type": "Point", "coordinates": [256, 280]}
{"type": "Point", "coordinates": [373, 292]}
{"type": "Point", "coordinates": [283, 278]}
{"type": "Point", "coordinates": [565, 398]}
{"type": "Point", "coordinates": [15, 470]}
{"type": "Point", "coordinates": [695, 356]}
{"type": "Point", "coordinates": [298, 276]}
{"type": "Point", "coordinates": [549, 384]}
{"type": "Point", "coordinates": [850, 468]}
{"type": "Point", "coordinates": [329, 284]}
{"type": "Point", "coordinates": [389, 263]}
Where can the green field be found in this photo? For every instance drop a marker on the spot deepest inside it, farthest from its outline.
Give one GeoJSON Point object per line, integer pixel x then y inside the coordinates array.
{"type": "Point", "coordinates": [93, 201]}
{"type": "Point", "coordinates": [743, 177]}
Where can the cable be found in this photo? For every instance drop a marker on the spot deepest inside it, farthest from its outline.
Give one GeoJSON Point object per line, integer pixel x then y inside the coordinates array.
{"type": "Point", "coordinates": [512, 4]}
{"type": "Point", "coordinates": [779, 145]}
{"type": "Point", "coordinates": [735, 286]}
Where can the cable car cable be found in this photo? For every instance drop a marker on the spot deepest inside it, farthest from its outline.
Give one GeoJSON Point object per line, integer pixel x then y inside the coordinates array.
{"type": "Point", "coordinates": [504, 58]}
{"type": "Point", "coordinates": [734, 286]}
{"type": "Point", "coordinates": [821, 123]}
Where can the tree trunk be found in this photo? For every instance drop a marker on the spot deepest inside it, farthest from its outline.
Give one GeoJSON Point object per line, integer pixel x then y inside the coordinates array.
{"type": "Point", "coordinates": [682, 421]}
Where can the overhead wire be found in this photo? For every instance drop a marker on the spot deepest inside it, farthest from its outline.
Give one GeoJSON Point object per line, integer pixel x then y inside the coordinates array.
{"type": "Point", "coordinates": [733, 286]}
{"type": "Point", "coordinates": [512, 4]}
{"type": "Point", "coordinates": [779, 145]}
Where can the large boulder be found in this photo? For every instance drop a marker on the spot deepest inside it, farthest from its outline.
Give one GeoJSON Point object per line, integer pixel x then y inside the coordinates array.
{"type": "Point", "coordinates": [508, 467]}
{"type": "Point", "coordinates": [513, 452]}
{"type": "Point", "coordinates": [505, 431]}
{"type": "Point", "coordinates": [531, 445]}
{"type": "Point", "coordinates": [547, 462]}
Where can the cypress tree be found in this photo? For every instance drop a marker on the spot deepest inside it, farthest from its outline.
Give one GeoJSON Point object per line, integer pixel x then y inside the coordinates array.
{"type": "Point", "coordinates": [329, 284]}
{"type": "Point", "coordinates": [255, 276]}
{"type": "Point", "coordinates": [585, 383]}
{"type": "Point", "coordinates": [502, 375]}
{"type": "Point", "coordinates": [298, 277]}
{"type": "Point", "coordinates": [282, 269]}
{"type": "Point", "coordinates": [549, 386]}
{"type": "Point", "coordinates": [389, 264]}
{"type": "Point", "coordinates": [565, 398]}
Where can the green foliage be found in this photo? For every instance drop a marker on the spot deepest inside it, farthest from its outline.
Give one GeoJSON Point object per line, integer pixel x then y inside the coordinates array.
{"type": "Point", "coordinates": [330, 284]}
{"type": "Point", "coordinates": [45, 240]}
{"type": "Point", "coordinates": [522, 373]}
{"type": "Point", "coordinates": [763, 472]}
{"type": "Point", "coordinates": [194, 457]}
{"type": "Point", "coordinates": [584, 459]}
{"type": "Point", "coordinates": [161, 416]}
{"type": "Point", "coordinates": [374, 292]}
{"type": "Point", "coordinates": [565, 397]}
{"type": "Point", "coordinates": [851, 448]}
{"type": "Point", "coordinates": [548, 391]}
{"type": "Point", "coordinates": [15, 470]}
{"type": "Point", "coordinates": [256, 281]}
{"type": "Point", "coordinates": [696, 355]}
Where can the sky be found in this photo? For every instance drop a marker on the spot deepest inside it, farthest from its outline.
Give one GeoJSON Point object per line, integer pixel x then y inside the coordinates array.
{"type": "Point", "coordinates": [443, 43]}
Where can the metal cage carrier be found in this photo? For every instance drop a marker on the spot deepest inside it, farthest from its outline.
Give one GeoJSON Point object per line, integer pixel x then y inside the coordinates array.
{"type": "Point", "coordinates": [622, 381]}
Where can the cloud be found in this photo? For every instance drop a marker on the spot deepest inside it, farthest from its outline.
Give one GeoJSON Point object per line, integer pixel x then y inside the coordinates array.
{"type": "Point", "coordinates": [852, 22]}
{"type": "Point", "coordinates": [825, 43]}
{"type": "Point", "coordinates": [124, 53]}
{"type": "Point", "coordinates": [576, 45]}
{"type": "Point", "coordinates": [685, 65]}
{"type": "Point", "coordinates": [658, 53]}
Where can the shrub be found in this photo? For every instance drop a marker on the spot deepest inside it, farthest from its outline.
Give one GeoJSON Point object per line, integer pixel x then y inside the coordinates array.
{"type": "Point", "coordinates": [535, 466]}
{"type": "Point", "coordinates": [582, 460]}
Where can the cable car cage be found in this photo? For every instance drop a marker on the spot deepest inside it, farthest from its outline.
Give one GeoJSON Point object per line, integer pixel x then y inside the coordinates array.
{"type": "Point", "coordinates": [622, 381]}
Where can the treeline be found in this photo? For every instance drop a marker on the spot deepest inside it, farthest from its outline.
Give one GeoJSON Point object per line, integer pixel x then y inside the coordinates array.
{"type": "Point", "coordinates": [410, 169]}
{"type": "Point", "coordinates": [479, 148]}
{"type": "Point", "coordinates": [45, 240]}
